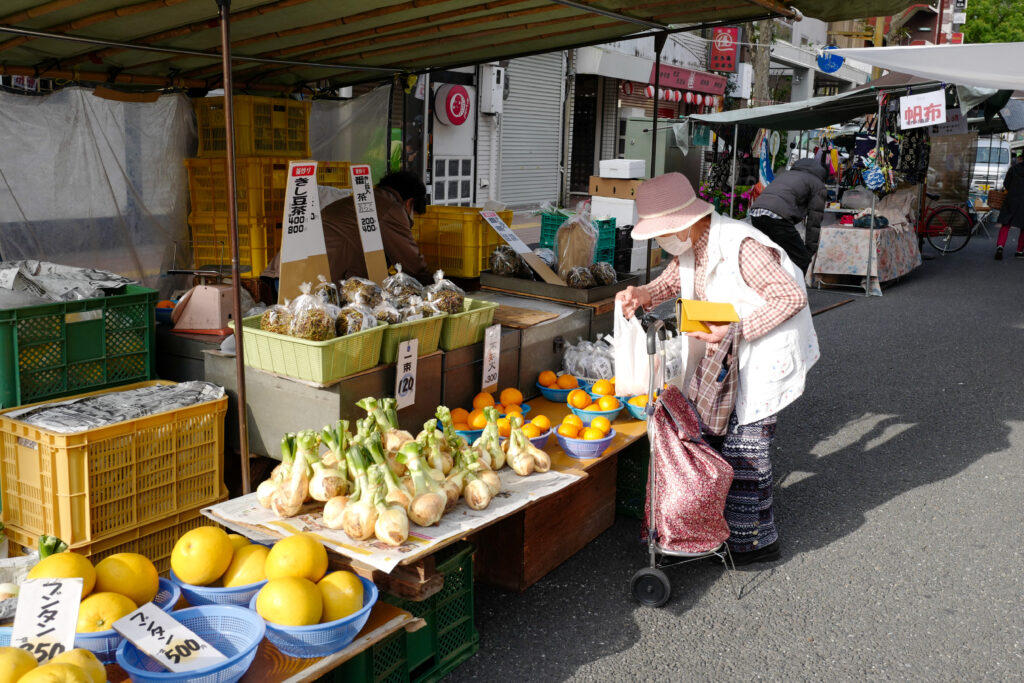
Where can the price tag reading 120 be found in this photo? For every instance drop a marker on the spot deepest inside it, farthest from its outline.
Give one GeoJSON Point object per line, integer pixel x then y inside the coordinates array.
{"type": "Point", "coordinates": [166, 640]}
{"type": "Point", "coordinates": [405, 373]}
{"type": "Point", "coordinates": [47, 616]}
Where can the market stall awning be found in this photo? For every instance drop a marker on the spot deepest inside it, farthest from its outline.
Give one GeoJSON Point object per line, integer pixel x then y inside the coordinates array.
{"type": "Point", "coordinates": [286, 43]}
{"type": "Point", "coordinates": [988, 65]}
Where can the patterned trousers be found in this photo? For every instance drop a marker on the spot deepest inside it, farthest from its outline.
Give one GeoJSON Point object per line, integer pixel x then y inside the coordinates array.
{"type": "Point", "coordinates": [748, 507]}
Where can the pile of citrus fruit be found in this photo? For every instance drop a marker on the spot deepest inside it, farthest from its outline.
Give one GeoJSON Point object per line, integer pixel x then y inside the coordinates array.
{"type": "Point", "coordinates": [510, 401]}
{"type": "Point", "coordinates": [641, 400]}
{"type": "Point", "coordinates": [572, 428]}
{"type": "Point", "coordinates": [581, 400]}
{"type": "Point", "coordinates": [73, 666]}
{"type": "Point", "coordinates": [552, 381]}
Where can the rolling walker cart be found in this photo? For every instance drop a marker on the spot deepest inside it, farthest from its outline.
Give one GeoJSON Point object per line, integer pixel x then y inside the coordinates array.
{"type": "Point", "coordinates": [650, 585]}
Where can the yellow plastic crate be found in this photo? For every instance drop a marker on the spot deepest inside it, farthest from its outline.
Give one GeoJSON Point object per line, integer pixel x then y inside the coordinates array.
{"type": "Point", "coordinates": [457, 239]}
{"type": "Point", "coordinates": [99, 483]}
{"type": "Point", "coordinates": [154, 540]}
{"type": "Point", "coordinates": [264, 127]}
{"type": "Point", "coordinates": [259, 239]}
{"type": "Point", "coordinates": [319, 362]}
{"type": "Point", "coordinates": [427, 331]}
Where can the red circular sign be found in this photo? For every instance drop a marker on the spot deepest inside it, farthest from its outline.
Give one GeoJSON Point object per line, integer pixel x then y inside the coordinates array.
{"type": "Point", "coordinates": [453, 104]}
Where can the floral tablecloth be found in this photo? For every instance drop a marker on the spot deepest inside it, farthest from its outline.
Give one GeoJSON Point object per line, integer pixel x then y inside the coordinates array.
{"type": "Point", "coordinates": [844, 251]}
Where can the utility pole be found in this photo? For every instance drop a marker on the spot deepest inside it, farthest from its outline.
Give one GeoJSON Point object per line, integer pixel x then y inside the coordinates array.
{"type": "Point", "coordinates": [879, 39]}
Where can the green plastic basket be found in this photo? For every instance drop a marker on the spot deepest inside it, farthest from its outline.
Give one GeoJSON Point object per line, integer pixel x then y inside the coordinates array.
{"type": "Point", "coordinates": [71, 347]}
{"type": "Point", "coordinates": [549, 225]}
{"type": "Point", "coordinates": [427, 330]}
{"type": "Point", "coordinates": [319, 362]}
{"type": "Point", "coordinates": [449, 638]}
{"type": "Point", "coordinates": [463, 329]}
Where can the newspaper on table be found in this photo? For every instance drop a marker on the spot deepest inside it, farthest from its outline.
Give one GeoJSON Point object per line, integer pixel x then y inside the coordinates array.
{"type": "Point", "coordinates": [90, 412]}
{"type": "Point", "coordinates": [241, 514]}
{"type": "Point", "coordinates": [25, 283]}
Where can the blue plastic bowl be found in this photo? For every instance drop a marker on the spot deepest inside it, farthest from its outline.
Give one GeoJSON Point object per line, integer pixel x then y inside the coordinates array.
{"type": "Point", "coordinates": [233, 631]}
{"type": "Point", "coordinates": [104, 644]}
{"type": "Point", "coordinates": [588, 415]}
{"type": "Point", "coordinates": [637, 412]}
{"type": "Point", "coordinates": [526, 410]}
{"type": "Point", "coordinates": [581, 449]}
{"type": "Point", "coordinates": [321, 639]}
{"type": "Point", "coordinates": [470, 435]}
{"type": "Point", "coordinates": [210, 595]}
{"type": "Point", "coordinates": [553, 395]}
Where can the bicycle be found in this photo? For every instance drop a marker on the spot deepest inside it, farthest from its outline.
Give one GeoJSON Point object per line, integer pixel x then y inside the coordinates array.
{"type": "Point", "coordinates": [949, 227]}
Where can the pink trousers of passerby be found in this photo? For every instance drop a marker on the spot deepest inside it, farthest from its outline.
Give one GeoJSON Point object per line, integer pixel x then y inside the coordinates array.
{"type": "Point", "coordinates": [1004, 232]}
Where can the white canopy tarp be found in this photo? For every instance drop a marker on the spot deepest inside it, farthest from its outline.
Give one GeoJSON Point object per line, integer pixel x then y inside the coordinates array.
{"type": "Point", "coordinates": [987, 65]}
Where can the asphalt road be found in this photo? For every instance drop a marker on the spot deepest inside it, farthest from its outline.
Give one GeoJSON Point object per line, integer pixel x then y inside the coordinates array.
{"type": "Point", "coordinates": [900, 502]}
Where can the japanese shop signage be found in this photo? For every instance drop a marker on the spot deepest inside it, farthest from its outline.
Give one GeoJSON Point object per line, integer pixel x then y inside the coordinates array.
{"type": "Point", "coordinates": [369, 223]}
{"type": "Point", "coordinates": [166, 640]}
{"type": "Point", "coordinates": [686, 79]}
{"type": "Point", "coordinates": [520, 247]}
{"type": "Point", "coordinates": [303, 249]}
{"type": "Point", "coordinates": [724, 46]}
{"type": "Point", "coordinates": [47, 617]}
{"type": "Point", "coordinates": [492, 351]}
{"type": "Point", "coordinates": [927, 109]}
{"type": "Point", "coordinates": [405, 373]}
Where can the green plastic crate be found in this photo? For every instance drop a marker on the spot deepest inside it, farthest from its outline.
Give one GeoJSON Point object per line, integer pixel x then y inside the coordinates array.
{"type": "Point", "coordinates": [549, 225]}
{"type": "Point", "coordinates": [71, 347]}
{"type": "Point", "coordinates": [427, 330]}
{"type": "Point", "coordinates": [463, 329]}
{"type": "Point", "coordinates": [449, 638]}
{"type": "Point", "coordinates": [631, 480]}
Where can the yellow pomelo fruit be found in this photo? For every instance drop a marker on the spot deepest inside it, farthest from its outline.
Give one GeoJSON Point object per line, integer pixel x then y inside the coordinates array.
{"type": "Point", "coordinates": [129, 574]}
{"type": "Point", "coordinates": [66, 565]}
{"type": "Point", "coordinates": [238, 540]}
{"type": "Point", "coordinates": [342, 594]}
{"type": "Point", "coordinates": [202, 555]}
{"type": "Point", "coordinates": [56, 673]}
{"type": "Point", "coordinates": [291, 601]}
{"type": "Point", "coordinates": [99, 611]}
{"type": "Point", "coordinates": [15, 663]}
{"type": "Point", "coordinates": [86, 661]}
{"type": "Point", "coordinates": [247, 566]}
{"type": "Point", "coordinates": [299, 555]}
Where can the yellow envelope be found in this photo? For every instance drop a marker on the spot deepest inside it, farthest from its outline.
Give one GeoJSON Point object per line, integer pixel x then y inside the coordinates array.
{"type": "Point", "coordinates": [693, 314]}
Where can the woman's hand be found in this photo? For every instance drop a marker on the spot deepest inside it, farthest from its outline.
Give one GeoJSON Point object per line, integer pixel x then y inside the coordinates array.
{"type": "Point", "coordinates": [717, 333]}
{"type": "Point", "coordinates": [633, 298]}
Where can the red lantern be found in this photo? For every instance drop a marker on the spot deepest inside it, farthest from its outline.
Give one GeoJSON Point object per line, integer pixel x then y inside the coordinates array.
{"type": "Point", "coordinates": [677, 96]}
{"type": "Point", "coordinates": [649, 91]}
{"type": "Point", "coordinates": [627, 88]}
{"type": "Point", "coordinates": [689, 98]}
{"type": "Point", "coordinates": [699, 98]}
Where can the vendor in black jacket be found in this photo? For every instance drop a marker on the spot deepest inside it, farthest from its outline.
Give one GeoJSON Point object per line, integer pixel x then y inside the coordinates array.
{"type": "Point", "coordinates": [795, 195]}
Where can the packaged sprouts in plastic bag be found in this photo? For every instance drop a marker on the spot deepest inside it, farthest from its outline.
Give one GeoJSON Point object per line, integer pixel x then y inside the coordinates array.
{"type": "Point", "coordinates": [417, 309]}
{"type": "Point", "coordinates": [327, 291]}
{"type": "Point", "coordinates": [580, 278]}
{"type": "Point", "coordinates": [387, 312]}
{"type": "Point", "coordinates": [277, 319]}
{"type": "Point", "coordinates": [505, 261]}
{"type": "Point", "coordinates": [604, 273]}
{"type": "Point", "coordinates": [447, 296]}
{"type": "Point", "coordinates": [355, 289]}
{"type": "Point", "coordinates": [355, 317]}
{"type": "Point", "coordinates": [310, 318]}
{"type": "Point", "coordinates": [402, 286]}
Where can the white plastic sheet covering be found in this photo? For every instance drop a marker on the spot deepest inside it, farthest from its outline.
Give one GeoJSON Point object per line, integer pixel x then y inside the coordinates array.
{"type": "Point", "coordinates": [96, 183]}
{"type": "Point", "coordinates": [988, 65]}
{"type": "Point", "coordinates": [355, 130]}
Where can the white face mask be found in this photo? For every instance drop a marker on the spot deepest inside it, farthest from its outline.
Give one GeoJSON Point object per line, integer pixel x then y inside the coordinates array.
{"type": "Point", "coordinates": [673, 245]}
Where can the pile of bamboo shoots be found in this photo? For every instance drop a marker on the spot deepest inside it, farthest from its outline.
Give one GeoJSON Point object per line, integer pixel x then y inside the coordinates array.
{"type": "Point", "coordinates": [375, 482]}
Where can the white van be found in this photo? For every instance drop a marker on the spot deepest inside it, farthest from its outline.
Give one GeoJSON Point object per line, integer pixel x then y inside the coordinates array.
{"type": "Point", "coordinates": [991, 163]}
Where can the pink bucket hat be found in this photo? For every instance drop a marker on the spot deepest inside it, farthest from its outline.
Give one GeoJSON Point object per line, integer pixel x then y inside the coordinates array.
{"type": "Point", "coordinates": [667, 204]}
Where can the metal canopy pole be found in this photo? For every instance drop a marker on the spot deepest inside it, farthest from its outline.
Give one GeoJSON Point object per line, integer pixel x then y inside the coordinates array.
{"type": "Point", "coordinates": [732, 190]}
{"type": "Point", "coordinates": [224, 7]}
{"type": "Point", "coordinates": [874, 196]}
{"type": "Point", "coordinates": [659, 45]}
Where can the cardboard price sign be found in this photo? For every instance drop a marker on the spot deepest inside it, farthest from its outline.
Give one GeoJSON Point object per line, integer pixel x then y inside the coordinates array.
{"type": "Point", "coordinates": [405, 373]}
{"type": "Point", "coordinates": [520, 248]}
{"type": "Point", "coordinates": [47, 617]}
{"type": "Point", "coordinates": [166, 640]}
{"type": "Point", "coordinates": [369, 223]}
{"type": "Point", "coordinates": [928, 109]}
{"type": "Point", "coordinates": [492, 353]}
{"type": "Point", "coordinates": [303, 249]}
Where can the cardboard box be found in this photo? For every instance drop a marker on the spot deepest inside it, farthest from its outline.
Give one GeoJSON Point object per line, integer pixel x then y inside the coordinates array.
{"type": "Point", "coordinates": [613, 187]}
{"type": "Point", "coordinates": [622, 210]}
{"type": "Point", "coordinates": [623, 168]}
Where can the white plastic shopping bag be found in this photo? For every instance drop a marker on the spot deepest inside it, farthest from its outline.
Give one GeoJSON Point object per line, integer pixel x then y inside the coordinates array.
{"type": "Point", "coordinates": [632, 365]}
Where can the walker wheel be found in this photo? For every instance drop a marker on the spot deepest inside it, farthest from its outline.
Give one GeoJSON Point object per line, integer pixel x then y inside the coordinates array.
{"type": "Point", "coordinates": [650, 587]}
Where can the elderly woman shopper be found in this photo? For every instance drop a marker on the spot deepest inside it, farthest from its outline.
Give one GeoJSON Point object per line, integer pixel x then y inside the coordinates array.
{"type": "Point", "coordinates": [724, 260]}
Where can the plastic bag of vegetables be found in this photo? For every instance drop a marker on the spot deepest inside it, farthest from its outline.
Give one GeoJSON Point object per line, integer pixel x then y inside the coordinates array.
{"type": "Point", "coordinates": [355, 317]}
{"type": "Point", "coordinates": [604, 273]}
{"type": "Point", "coordinates": [277, 319]}
{"type": "Point", "coordinates": [505, 261]}
{"type": "Point", "coordinates": [387, 312]}
{"type": "Point", "coordinates": [580, 278]}
{"type": "Point", "coordinates": [402, 286]}
{"type": "Point", "coordinates": [418, 309]}
{"type": "Point", "coordinates": [310, 318]}
{"type": "Point", "coordinates": [327, 291]}
{"type": "Point", "coordinates": [355, 288]}
{"type": "Point", "coordinates": [444, 294]}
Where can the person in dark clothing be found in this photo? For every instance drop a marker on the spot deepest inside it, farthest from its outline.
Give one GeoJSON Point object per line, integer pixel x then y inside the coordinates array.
{"type": "Point", "coordinates": [1012, 213]}
{"type": "Point", "coordinates": [795, 195]}
{"type": "Point", "coordinates": [399, 196]}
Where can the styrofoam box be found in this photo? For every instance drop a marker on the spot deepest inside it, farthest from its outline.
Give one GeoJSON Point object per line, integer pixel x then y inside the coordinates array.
{"type": "Point", "coordinates": [622, 210]}
{"type": "Point", "coordinates": [623, 168]}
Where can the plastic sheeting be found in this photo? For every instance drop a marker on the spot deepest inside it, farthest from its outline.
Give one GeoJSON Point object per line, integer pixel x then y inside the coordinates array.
{"type": "Point", "coordinates": [355, 130]}
{"type": "Point", "coordinates": [96, 183]}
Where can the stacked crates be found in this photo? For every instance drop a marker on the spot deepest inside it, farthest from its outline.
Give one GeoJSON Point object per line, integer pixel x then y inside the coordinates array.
{"type": "Point", "coordinates": [269, 132]}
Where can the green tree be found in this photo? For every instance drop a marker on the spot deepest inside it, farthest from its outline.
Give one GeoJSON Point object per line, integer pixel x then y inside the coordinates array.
{"type": "Point", "coordinates": [994, 21]}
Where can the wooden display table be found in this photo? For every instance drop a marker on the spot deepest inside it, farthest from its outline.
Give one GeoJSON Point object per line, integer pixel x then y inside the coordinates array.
{"type": "Point", "coordinates": [518, 551]}
{"type": "Point", "coordinates": [270, 666]}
